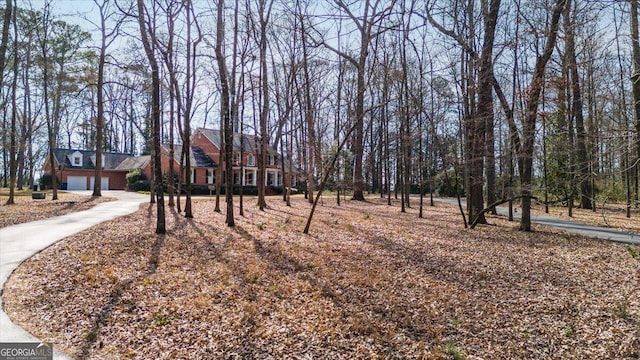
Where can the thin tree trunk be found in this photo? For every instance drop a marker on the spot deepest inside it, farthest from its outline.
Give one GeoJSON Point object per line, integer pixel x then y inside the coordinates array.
{"type": "Point", "coordinates": [14, 112]}
{"type": "Point", "coordinates": [309, 116]}
{"type": "Point", "coordinates": [264, 12]}
{"type": "Point", "coordinates": [8, 9]}
{"type": "Point", "coordinates": [582, 162]}
{"type": "Point", "coordinates": [97, 183]}
{"type": "Point", "coordinates": [623, 114]}
{"type": "Point", "coordinates": [528, 133]}
{"type": "Point", "coordinates": [155, 118]}
{"type": "Point", "coordinates": [225, 115]}
{"type": "Point", "coordinates": [635, 80]}
{"type": "Point", "coordinates": [51, 131]}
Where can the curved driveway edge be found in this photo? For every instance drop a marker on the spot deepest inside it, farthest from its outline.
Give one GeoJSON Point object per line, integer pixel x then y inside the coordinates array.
{"type": "Point", "coordinates": [20, 242]}
{"type": "Point", "coordinates": [570, 226]}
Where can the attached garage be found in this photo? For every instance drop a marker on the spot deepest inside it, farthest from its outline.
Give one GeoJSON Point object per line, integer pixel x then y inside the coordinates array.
{"type": "Point", "coordinates": [77, 183]}
{"type": "Point", "coordinates": [78, 170]}
{"type": "Point", "coordinates": [104, 183]}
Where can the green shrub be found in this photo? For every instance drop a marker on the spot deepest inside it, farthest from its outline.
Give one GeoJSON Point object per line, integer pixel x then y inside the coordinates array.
{"type": "Point", "coordinates": [135, 176]}
{"type": "Point", "coordinates": [45, 181]}
{"type": "Point", "coordinates": [140, 185]}
{"type": "Point", "coordinates": [445, 184]}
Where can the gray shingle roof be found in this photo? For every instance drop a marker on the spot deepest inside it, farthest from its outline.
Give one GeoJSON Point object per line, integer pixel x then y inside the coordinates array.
{"type": "Point", "coordinates": [248, 141]}
{"type": "Point", "coordinates": [111, 160]}
{"type": "Point", "coordinates": [134, 162]}
{"type": "Point", "coordinates": [197, 156]}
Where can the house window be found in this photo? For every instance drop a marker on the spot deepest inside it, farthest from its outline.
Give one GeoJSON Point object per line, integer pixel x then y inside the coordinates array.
{"type": "Point", "coordinates": [193, 176]}
{"type": "Point", "coordinates": [270, 179]}
{"type": "Point", "coordinates": [272, 160]}
{"type": "Point", "coordinates": [236, 178]}
{"type": "Point", "coordinates": [248, 179]}
{"type": "Point", "coordinates": [251, 160]}
{"type": "Point", "coordinates": [210, 176]}
{"type": "Point", "coordinates": [237, 158]}
{"type": "Point", "coordinates": [77, 160]}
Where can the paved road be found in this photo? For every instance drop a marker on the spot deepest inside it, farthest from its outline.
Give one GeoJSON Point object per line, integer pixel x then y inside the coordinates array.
{"type": "Point", "coordinates": [20, 242]}
{"type": "Point", "coordinates": [569, 226]}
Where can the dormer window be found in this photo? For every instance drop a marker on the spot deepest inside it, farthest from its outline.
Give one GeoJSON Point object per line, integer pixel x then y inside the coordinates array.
{"type": "Point", "coordinates": [75, 159]}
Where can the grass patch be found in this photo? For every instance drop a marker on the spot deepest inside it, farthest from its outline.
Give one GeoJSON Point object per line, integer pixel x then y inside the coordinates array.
{"type": "Point", "coordinates": [634, 251]}
{"type": "Point", "coordinates": [161, 320]}
{"type": "Point", "coordinates": [454, 353]}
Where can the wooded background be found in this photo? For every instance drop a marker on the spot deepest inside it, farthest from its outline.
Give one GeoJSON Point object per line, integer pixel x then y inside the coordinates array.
{"type": "Point", "coordinates": [479, 98]}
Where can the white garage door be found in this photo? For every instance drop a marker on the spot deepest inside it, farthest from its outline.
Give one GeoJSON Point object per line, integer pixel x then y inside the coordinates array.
{"type": "Point", "coordinates": [76, 183]}
{"type": "Point", "coordinates": [104, 183]}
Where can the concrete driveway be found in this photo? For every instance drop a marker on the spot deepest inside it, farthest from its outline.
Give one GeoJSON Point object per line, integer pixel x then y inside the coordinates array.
{"type": "Point", "coordinates": [569, 226]}
{"type": "Point", "coordinates": [20, 242]}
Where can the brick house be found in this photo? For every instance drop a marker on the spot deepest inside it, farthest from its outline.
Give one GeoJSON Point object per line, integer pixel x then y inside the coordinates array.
{"type": "Point", "coordinates": [76, 168]}
{"type": "Point", "coordinates": [202, 165]}
{"type": "Point", "coordinates": [245, 163]}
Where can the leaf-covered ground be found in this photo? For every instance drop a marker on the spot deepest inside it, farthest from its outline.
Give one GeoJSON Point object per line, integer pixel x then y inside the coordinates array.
{"type": "Point", "coordinates": [369, 282]}
{"type": "Point", "coordinates": [27, 209]}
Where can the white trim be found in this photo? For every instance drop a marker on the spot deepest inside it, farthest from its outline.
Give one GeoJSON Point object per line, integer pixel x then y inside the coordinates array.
{"type": "Point", "coordinates": [251, 160]}
{"type": "Point", "coordinates": [75, 159]}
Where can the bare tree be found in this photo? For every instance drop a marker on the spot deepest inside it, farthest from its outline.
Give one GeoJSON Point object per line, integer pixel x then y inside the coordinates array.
{"type": "Point", "coordinates": [635, 81]}
{"type": "Point", "coordinates": [264, 14]}
{"type": "Point", "coordinates": [189, 86]}
{"type": "Point", "coordinates": [525, 157]}
{"type": "Point", "coordinates": [43, 42]}
{"type": "Point", "coordinates": [369, 26]}
{"type": "Point", "coordinates": [581, 160]}
{"type": "Point", "coordinates": [309, 113]}
{"type": "Point", "coordinates": [14, 108]}
{"type": "Point", "coordinates": [5, 37]}
{"type": "Point", "coordinates": [155, 115]}
{"type": "Point", "coordinates": [107, 36]}
{"type": "Point", "coordinates": [478, 114]}
{"type": "Point", "coordinates": [225, 112]}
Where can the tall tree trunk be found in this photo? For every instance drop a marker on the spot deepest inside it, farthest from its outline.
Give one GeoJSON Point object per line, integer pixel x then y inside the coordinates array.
{"type": "Point", "coordinates": [14, 112]}
{"type": "Point", "coordinates": [485, 96]}
{"type": "Point", "coordinates": [97, 184]}
{"type": "Point", "coordinates": [8, 9]}
{"type": "Point", "coordinates": [51, 130]}
{"type": "Point", "coordinates": [623, 114]}
{"type": "Point", "coordinates": [635, 80]}
{"type": "Point", "coordinates": [482, 136]}
{"type": "Point", "coordinates": [358, 145]}
{"type": "Point", "coordinates": [308, 115]}
{"type": "Point", "coordinates": [190, 85]}
{"type": "Point", "coordinates": [225, 115]}
{"type": "Point", "coordinates": [155, 119]}
{"type": "Point", "coordinates": [264, 12]}
{"type": "Point", "coordinates": [525, 158]}
{"type": "Point", "coordinates": [582, 161]}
